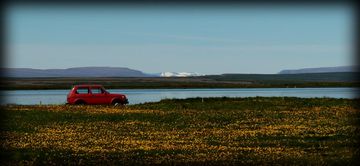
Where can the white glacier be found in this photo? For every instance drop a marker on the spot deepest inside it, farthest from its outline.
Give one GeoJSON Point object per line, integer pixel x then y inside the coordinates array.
{"type": "Point", "coordinates": [179, 74]}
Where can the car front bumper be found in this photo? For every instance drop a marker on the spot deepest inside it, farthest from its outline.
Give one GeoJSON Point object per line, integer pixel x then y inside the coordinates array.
{"type": "Point", "coordinates": [126, 101]}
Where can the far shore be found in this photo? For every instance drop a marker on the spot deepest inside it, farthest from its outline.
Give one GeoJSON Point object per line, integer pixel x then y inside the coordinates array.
{"type": "Point", "coordinates": [163, 83]}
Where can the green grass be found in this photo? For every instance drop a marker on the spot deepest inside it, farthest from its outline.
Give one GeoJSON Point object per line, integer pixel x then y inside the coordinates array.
{"type": "Point", "coordinates": [289, 78]}
{"type": "Point", "coordinates": [256, 130]}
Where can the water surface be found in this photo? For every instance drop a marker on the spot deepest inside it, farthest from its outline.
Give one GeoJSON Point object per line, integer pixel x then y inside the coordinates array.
{"type": "Point", "coordinates": [136, 96]}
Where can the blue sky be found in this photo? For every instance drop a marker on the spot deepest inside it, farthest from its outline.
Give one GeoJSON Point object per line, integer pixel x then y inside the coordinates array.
{"type": "Point", "coordinates": [208, 39]}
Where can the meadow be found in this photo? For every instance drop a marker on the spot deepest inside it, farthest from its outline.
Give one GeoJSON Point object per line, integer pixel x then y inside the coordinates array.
{"type": "Point", "coordinates": [211, 131]}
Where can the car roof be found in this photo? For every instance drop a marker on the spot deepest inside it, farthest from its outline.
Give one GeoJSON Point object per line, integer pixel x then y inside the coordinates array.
{"type": "Point", "coordinates": [87, 85]}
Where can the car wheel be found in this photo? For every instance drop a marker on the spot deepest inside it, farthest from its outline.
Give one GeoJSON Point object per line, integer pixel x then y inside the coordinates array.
{"type": "Point", "coordinates": [80, 102]}
{"type": "Point", "coordinates": [116, 103]}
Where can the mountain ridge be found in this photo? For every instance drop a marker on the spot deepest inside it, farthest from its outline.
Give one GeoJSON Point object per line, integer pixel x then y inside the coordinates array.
{"type": "Point", "coordinates": [74, 72]}
{"type": "Point", "coordinates": [96, 71]}
{"type": "Point", "coordinates": [320, 70]}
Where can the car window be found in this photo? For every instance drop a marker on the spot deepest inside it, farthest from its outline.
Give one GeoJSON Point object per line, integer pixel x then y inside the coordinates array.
{"type": "Point", "coordinates": [82, 91]}
{"type": "Point", "coordinates": [96, 90]}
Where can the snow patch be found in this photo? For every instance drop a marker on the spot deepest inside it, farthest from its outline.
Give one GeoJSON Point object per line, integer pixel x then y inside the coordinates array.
{"type": "Point", "coordinates": [180, 74]}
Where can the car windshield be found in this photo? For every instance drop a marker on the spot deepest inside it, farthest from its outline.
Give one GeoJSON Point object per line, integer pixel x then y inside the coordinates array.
{"type": "Point", "coordinates": [104, 91]}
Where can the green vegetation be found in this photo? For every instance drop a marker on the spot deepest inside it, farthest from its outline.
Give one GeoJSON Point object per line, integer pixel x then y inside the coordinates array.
{"type": "Point", "coordinates": [289, 78]}
{"type": "Point", "coordinates": [257, 130]}
{"type": "Point", "coordinates": [212, 81]}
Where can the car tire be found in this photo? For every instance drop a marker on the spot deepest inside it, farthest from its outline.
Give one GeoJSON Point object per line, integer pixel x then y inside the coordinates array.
{"type": "Point", "coordinates": [116, 103]}
{"type": "Point", "coordinates": [80, 102]}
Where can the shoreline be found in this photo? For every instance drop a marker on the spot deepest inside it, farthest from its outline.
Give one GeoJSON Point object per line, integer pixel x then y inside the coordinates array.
{"type": "Point", "coordinates": [214, 81]}
{"type": "Point", "coordinates": [183, 99]}
{"type": "Point", "coordinates": [312, 85]}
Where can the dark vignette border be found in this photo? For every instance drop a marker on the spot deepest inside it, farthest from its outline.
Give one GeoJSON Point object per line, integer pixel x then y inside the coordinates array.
{"type": "Point", "coordinates": [84, 3]}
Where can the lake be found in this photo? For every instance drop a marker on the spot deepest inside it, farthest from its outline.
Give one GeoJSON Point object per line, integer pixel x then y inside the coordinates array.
{"type": "Point", "coordinates": [136, 96]}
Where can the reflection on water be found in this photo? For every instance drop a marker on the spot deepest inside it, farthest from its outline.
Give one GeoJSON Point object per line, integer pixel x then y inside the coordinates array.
{"type": "Point", "coordinates": [136, 96]}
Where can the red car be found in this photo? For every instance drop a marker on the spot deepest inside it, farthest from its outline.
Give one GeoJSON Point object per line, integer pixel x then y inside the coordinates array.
{"type": "Point", "coordinates": [94, 94]}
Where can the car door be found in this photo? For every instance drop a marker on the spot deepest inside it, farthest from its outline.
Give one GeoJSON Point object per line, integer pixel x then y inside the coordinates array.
{"type": "Point", "coordinates": [98, 96]}
{"type": "Point", "coordinates": [83, 93]}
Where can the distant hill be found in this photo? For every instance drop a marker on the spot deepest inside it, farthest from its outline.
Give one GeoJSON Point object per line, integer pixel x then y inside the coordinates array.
{"type": "Point", "coordinates": [320, 70]}
{"type": "Point", "coordinates": [74, 72]}
{"type": "Point", "coordinates": [288, 78]}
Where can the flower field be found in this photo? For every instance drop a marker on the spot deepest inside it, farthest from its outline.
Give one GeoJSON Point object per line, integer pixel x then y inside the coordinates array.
{"type": "Point", "coordinates": [212, 131]}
